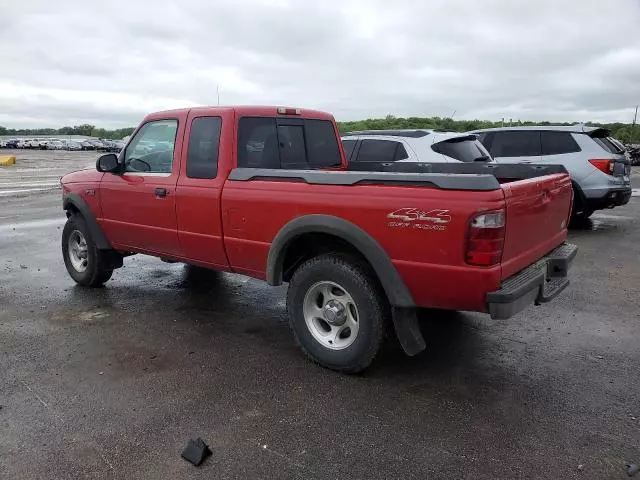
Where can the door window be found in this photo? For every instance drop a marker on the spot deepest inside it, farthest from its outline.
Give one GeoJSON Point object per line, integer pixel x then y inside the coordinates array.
{"type": "Point", "coordinates": [204, 141]}
{"type": "Point", "coordinates": [380, 151]}
{"type": "Point", "coordinates": [516, 144]}
{"type": "Point", "coordinates": [151, 150]}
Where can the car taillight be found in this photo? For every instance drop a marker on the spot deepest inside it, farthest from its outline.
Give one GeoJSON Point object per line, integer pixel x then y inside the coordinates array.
{"type": "Point", "coordinates": [485, 242]}
{"type": "Point", "coordinates": [603, 165]}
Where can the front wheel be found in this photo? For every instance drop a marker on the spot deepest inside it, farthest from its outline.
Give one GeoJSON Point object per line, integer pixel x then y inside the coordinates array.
{"type": "Point", "coordinates": [84, 262]}
{"type": "Point", "coordinates": [337, 313]}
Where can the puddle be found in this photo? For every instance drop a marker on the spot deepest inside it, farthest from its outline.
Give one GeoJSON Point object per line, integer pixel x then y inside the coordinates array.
{"type": "Point", "coordinates": [592, 224]}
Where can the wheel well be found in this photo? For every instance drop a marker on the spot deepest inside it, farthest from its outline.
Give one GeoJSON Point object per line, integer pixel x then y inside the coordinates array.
{"type": "Point", "coordinates": [578, 198]}
{"type": "Point", "coordinates": [71, 209]}
{"type": "Point", "coordinates": [309, 245]}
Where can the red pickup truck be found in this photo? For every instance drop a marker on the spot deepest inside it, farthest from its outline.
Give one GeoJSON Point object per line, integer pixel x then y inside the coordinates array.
{"type": "Point", "coordinates": [267, 192]}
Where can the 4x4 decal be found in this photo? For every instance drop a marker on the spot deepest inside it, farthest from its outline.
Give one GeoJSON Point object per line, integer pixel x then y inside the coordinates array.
{"type": "Point", "coordinates": [410, 217]}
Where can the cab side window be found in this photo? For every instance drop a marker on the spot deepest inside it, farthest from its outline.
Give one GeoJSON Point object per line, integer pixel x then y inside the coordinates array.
{"type": "Point", "coordinates": [151, 150]}
{"type": "Point", "coordinates": [204, 141]}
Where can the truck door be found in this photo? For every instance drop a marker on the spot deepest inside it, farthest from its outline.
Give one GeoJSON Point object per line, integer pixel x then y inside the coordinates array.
{"type": "Point", "coordinates": [139, 205]}
{"type": "Point", "coordinates": [200, 186]}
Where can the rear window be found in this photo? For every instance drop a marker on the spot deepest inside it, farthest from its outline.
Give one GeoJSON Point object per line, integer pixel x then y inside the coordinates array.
{"type": "Point", "coordinates": [265, 142]}
{"type": "Point", "coordinates": [381, 151]}
{"type": "Point", "coordinates": [556, 143]}
{"type": "Point", "coordinates": [322, 144]}
{"type": "Point", "coordinates": [466, 150]}
{"type": "Point", "coordinates": [516, 144]}
{"type": "Point", "coordinates": [607, 145]}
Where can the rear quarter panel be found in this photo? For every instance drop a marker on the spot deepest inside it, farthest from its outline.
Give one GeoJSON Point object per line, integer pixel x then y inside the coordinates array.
{"type": "Point", "coordinates": [429, 254]}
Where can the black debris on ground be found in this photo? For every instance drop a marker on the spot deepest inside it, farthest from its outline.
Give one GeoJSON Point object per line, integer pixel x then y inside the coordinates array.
{"type": "Point", "coordinates": [196, 451]}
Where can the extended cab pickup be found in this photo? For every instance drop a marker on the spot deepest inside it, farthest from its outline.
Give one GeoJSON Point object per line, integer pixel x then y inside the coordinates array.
{"type": "Point", "coordinates": [267, 192]}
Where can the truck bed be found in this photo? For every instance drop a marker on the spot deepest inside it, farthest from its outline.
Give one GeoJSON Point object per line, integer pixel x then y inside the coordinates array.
{"type": "Point", "coordinates": [504, 173]}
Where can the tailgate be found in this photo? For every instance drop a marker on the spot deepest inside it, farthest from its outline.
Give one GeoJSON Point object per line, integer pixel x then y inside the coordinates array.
{"type": "Point", "coordinates": [537, 212]}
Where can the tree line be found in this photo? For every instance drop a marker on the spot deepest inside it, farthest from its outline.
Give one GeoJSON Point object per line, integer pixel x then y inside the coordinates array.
{"type": "Point", "coordinates": [85, 130]}
{"type": "Point", "coordinates": [624, 132]}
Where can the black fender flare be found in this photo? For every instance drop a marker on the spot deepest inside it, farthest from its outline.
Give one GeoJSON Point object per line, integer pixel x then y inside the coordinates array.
{"type": "Point", "coordinates": [72, 201]}
{"type": "Point", "coordinates": [403, 307]}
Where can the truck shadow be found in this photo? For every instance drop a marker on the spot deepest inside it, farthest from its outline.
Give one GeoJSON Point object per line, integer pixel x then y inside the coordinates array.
{"type": "Point", "coordinates": [451, 338]}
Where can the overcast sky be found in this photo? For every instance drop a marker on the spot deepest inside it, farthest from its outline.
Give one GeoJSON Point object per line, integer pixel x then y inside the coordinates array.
{"type": "Point", "coordinates": [109, 63]}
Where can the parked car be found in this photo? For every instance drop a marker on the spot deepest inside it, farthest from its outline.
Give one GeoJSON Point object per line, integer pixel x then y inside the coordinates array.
{"type": "Point", "coordinates": [113, 146]}
{"type": "Point", "coordinates": [87, 145]}
{"type": "Point", "coordinates": [3, 144]}
{"type": "Point", "coordinates": [97, 145]}
{"type": "Point", "coordinates": [358, 249]}
{"type": "Point", "coordinates": [634, 154]}
{"type": "Point", "coordinates": [72, 145]}
{"type": "Point", "coordinates": [118, 145]}
{"type": "Point", "coordinates": [598, 166]}
{"type": "Point", "coordinates": [413, 146]}
{"type": "Point", "coordinates": [55, 145]}
{"type": "Point", "coordinates": [13, 143]}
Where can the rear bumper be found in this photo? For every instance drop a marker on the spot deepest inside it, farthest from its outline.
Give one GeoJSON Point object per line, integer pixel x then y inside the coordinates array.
{"type": "Point", "coordinates": [613, 197]}
{"type": "Point", "coordinates": [538, 283]}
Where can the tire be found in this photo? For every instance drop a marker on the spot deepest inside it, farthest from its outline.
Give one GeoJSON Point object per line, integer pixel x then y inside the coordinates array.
{"type": "Point", "coordinates": [351, 291]}
{"type": "Point", "coordinates": [580, 210]}
{"type": "Point", "coordinates": [93, 273]}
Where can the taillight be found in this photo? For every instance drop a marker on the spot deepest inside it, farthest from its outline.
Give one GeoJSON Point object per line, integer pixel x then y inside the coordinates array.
{"type": "Point", "coordinates": [486, 238]}
{"type": "Point", "coordinates": [603, 165]}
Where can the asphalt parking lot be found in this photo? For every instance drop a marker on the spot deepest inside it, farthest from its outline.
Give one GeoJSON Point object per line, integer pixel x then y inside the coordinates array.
{"type": "Point", "coordinates": [111, 383]}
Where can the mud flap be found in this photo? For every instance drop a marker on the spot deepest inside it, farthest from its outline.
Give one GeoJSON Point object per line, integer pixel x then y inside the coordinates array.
{"type": "Point", "coordinates": [405, 322]}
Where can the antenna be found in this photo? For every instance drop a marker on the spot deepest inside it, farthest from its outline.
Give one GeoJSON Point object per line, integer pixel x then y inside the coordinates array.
{"type": "Point", "coordinates": [218, 93]}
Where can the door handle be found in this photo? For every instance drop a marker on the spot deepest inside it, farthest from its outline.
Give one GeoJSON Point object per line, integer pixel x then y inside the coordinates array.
{"type": "Point", "coordinates": [160, 192]}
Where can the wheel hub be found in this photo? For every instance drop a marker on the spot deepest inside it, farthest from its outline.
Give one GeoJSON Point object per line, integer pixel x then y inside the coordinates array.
{"type": "Point", "coordinates": [78, 251]}
{"type": "Point", "coordinates": [331, 315]}
{"type": "Point", "coordinates": [335, 313]}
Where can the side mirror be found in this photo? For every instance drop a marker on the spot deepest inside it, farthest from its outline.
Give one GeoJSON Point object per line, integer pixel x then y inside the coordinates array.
{"type": "Point", "coordinates": [107, 163]}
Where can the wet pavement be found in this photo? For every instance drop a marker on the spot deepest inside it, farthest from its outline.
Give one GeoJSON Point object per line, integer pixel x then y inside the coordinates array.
{"type": "Point", "coordinates": [111, 383]}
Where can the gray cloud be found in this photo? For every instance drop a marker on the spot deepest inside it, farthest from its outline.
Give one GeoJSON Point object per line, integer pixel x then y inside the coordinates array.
{"type": "Point", "coordinates": [109, 63]}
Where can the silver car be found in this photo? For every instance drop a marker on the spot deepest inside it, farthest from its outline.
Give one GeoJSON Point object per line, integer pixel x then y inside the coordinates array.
{"type": "Point", "coordinates": [422, 145]}
{"type": "Point", "coordinates": [599, 167]}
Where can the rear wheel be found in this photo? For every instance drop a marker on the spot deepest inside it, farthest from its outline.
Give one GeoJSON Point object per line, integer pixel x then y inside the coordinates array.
{"type": "Point", "coordinates": [84, 261]}
{"type": "Point", "coordinates": [337, 313]}
{"type": "Point", "coordinates": [580, 210]}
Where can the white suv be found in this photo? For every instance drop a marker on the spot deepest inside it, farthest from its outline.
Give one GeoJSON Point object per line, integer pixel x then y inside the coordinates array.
{"type": "Point", "coordinates": [598, 166]}
{"type": "Point", "coordinates": [428, 146]}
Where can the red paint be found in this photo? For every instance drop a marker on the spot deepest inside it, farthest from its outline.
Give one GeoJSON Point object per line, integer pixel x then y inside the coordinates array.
{"type": "Point", "coordinates": [230, 225]}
